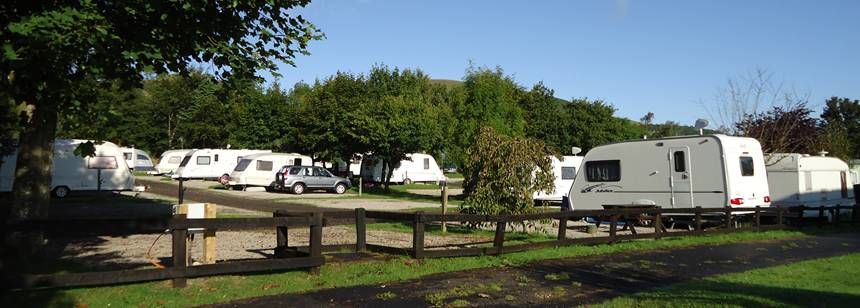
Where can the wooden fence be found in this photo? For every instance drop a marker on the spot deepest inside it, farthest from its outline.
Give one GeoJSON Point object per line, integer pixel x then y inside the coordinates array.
{"type": "Point", "coordinates": [295, 257]}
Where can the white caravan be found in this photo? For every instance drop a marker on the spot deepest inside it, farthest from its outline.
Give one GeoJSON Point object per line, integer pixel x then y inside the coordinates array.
{"type": "Point", "coordinates": [106, 170]}
{"type": "Point", "coordinates": [565, 172]}
{"type": "Point", "coordinates": [260, 169]}
{"type": "Point", "coordinates": [169, 161]}
{"type": "Point", "coordinates": [416, 167]}
{"type": "Point", "coordinates": [710, 171]}
{"type": "Point", "coordinates": [137, 159]}
{"type": "Point", "coordinates": [211, 164]}
{"type": "Point", "coordinates": [800, 179]}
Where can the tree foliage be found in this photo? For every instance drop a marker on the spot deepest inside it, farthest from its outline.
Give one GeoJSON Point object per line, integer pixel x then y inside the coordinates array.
{"type": "Point", "coordinates": [505, 173]}
{"type": "Point", "coordinates": [781, 130]}
{"type": "Point", "coordinates": [841, 122]}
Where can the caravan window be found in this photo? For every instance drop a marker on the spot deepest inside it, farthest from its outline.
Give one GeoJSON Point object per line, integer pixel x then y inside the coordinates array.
{"type": "Point", "coordinates": [297, 162]}
{"type": "Point", "coordinates": [263, 165]}
{"type": "Point", "coordinates": [127, 156]}
{"type": "Point", "coordinates": [603, 170]}
{"type": "Point", "coordinates": [216, 157]}
{"type": "Point", "coordinates": [680, 163]}
{"type": "Point", "coordinates": [185, 160]}
{"type": "Point", "coordinates": [142, 157]}
{"type": "Point", "coordinates": [203, 160]}
{"type": "Point", "coordinates": [747, 168]}
{"type": "Point", "coordinates": [101, 162]}
{"type": "Point", "coordinates": [568, 173]}
{"type": "Point", "coordinates": [174, 160]}
{"type": "Point", "coordinates": [426, 164]}
{"type": "Point", "coordinates": [242, 165]}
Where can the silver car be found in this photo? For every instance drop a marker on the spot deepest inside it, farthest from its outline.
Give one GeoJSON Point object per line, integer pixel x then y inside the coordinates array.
{"type": "Point", "coordinates": [299, 179]}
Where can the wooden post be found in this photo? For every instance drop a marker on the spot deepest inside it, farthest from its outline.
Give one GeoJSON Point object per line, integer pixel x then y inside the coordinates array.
{"type": "Point", "coordinates": [836, 214]}
{"type": "Point", "coordinates": [180, 254]}
{"type": "Point", "coordinates": [562, 227]}
{"type": "Point", "coordinates": [613, 227]}
{"type": "Point", "coordinates": [698, 219]}
{"type": "Point", "coordinates": [821, 217]}
{"type": "Point", "coordinates": [658, 222]}
{"type": "Point", "coordinates": [210, 212]}
{"type": "Point", "coordinates": [757, 222]}
{"type": "Point", "coordinates": [499, 240]}
{"type": "Point", "coordinates": [360, 185]}
{"type": "Point", "coordinates": [360, 231]}
{"type": "Point", "coordinates": [855, 217]}
{"type": "Point", "coordinates": [181, 193]}
{"type": "Point", "coordinates": [316, 234]}
{"type": "Point", "coordinates": [418, 235]}
{"type": "Point", "coordinates": [728, 217]}
{"type": "Point", "coordinates": [800, 221]}
{"type": "Point", "coordinates": [283, 239]}
{"type": "Point", "coordinates": [779, 218]}
{"type": "Point", "coordinates": [444, 206]}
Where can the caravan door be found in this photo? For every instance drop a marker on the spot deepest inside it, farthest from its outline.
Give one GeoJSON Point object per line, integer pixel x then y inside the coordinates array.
{"type": "Point", "coordinates": [680, 177]}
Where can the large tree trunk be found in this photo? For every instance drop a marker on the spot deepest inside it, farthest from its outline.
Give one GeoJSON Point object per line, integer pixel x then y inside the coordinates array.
{"type": "Point", "coordinates": [31, 192]}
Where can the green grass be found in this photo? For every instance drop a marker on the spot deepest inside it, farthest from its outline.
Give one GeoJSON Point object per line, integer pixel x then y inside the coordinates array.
{"type": "Point", "coordinates": [829, 282]}
{"type": "Point", "coordinates": [510, 237]}
{"type": "Point", "coordinates": [454, 175]}
{"type": "Point", "coordinates": [224, 288]}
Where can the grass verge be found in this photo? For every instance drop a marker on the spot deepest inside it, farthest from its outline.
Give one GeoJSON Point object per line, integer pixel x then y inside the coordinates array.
{"type": "Point", "coordinates": [814, 283]}
{"type": "Point", "coordinates": [225, 288]}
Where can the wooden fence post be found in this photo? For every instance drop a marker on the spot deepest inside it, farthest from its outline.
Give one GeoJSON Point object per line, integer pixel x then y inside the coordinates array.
{"type": "Point", "coordinates": [821, 217]}
{"type": "Point", "coordinates": [658, 223]}
{"type": "Point", "coordinates": [444, 205]}
{"type": "Point", "coordinates": [855, 217]}
{"type": "Point", "coordinates": [315, 248]}
{"type": "Point", "coordinates": [499, 239]}
{"type": "Point", "coordinates": [698, 219]}
{"type": "Point", "coordinates": [283, 239]}
{"type": "Point", "coordinates": [757, 222]}
{"type": "Point", "coordinates": [779, 219]}
{"type": "Point", "coordinates": [562, 227]}
{"type": "Point", "coordinates": [728, 217]}
{"type": "Point", "coordinates": [418, 235]}
{"type": "Point", "coordinates": [800, 221]}
{"type": "Point", "coordinates": [209, 235]}
{"type": "Point", "coordinates": [360, 230]}
{"type": "Point", "coordinates": [180, 253]}
{"type": "Point", "coordinates": [613, 227]}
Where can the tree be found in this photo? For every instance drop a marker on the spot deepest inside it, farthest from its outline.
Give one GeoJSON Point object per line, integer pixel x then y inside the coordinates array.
{"type": "Point", "coordinates": [842, 116]}
{"type": "Point", "coordinates": [593, 123]}
{"type": "Point", "coordinates": [53, 53]}
{"type": "Point", "coordinates": [749, 94]}
{"type": "Point", "coordinates": [506, 173]}
{"type": "Point", "coordinates": [544, 117]}
{"type": "Point", "coordinates": [781, 130]}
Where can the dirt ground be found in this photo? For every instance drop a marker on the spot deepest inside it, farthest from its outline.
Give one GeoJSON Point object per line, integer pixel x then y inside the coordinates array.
{"type": "Point", "coordinates": [574, 281]}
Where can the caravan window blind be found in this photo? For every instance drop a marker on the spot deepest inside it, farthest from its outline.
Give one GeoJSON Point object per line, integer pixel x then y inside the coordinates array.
{"type": "Point", "coordinates": [264, 165]}
{"type": "Point", "coordinates": [603, 170]}
{"type": "Point", "coordinates": [203, 160]}
{"type": "Point", "coordinates": [568, 173]}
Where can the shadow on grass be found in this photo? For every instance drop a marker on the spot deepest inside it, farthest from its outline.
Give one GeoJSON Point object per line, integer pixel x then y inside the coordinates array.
{"type": "Point", "coordinates": [712, 293]}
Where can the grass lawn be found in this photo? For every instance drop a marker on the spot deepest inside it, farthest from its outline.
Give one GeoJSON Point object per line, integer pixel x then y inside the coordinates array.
{"type": "Point", "coordinates": [510, 237]}
{"type": "Point", "coordinates": [829, 282]}
{"type": "Point", "coordinates": [225, 288]}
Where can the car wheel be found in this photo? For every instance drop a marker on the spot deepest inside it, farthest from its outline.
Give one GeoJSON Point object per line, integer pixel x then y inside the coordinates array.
{"type": "Point", "coordinates": [340, 188]}
{"type": "Point", "coordinates": [224, 179]}
{"type": "Point", "coordinates": [298, 188]}
{"type": "Point", "coordinates": [61, 191]}
{"type": "Point", "coordinates": [407, 181]}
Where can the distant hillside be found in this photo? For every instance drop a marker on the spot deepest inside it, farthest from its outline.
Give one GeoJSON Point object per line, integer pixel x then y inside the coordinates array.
{"type": "Point", "coordinates": [447, 82]}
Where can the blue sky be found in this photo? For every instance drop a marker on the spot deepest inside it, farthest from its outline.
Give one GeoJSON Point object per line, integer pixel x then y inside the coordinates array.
{"type": "Point", "coordinates": [666, 57]}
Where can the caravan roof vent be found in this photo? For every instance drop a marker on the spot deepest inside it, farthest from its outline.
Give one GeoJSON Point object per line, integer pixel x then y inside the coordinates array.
{"type": "Point", "coordinates": [823, 153]}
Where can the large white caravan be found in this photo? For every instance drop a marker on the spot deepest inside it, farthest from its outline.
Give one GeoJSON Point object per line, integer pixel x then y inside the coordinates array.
{"type": "Point", "coordinates": [565, 172]}
{"type": "Point", "coordinates": [417, 167]}
{"type": "Point", "coordinates": [211, 163]}
{"type": "Point", "coordinates": [169, 161]}
{"type": "Point", "coordinates": [709, 171]}
{"type": "Point", "coordinates": [137, 159]}
{"type": "Point", "coordinates": [106, 170]}
{"type": "Point", "coordinates": [801, 179]}
{"type": "Point", "coordinates": [260, 169]}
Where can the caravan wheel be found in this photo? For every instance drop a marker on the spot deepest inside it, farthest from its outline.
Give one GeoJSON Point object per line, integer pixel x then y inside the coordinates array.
{"type": "Point", "coordinates": [224, 179]}
{"type": "Point", "coordinates": [61, 192]}
{"type": "Point", "coordinates": [407, 181]}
